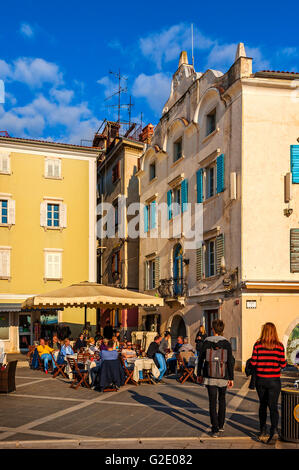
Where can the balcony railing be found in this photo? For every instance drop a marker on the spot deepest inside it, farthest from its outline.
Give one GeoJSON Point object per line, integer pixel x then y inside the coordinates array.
{"type": "Point", "coordinates": [173, 287]}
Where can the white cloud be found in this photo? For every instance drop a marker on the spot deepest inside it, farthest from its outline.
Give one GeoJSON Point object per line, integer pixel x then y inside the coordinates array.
{"type": "Point", "coordinates": [34, 72]}
{"type": "Point", "coordinates": [26, 30]}
{"type": "Point", "coordinates": [154, 88]}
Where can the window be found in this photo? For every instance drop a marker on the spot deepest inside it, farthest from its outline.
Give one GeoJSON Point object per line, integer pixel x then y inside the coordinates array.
{"type": "Point", "coordinates": [211, 122]}
{"type": "Point", "coordinates": [116, 172]}
{"type": "Point", "coordinates": [210, 262]}
{"type": "Point", "coordinates": [116, 263]}
{"type": "Point", "coordinates": [116, 217]}
{"type": "Point", "coordinates": [4, 326]}
{"type": "Point", "coordinates": [4, 163]}
{"type": "Point", "coordinates": [52, 168]}
{"type": "Point", "coordinates": [5, 262]}
{"type": "Point", "coordinates": [177, 149]}
{"type": "Point", "coordinates": [4, 211]}
{"type": "Point", "coordinates": [177, 199]}
{"type": "Point", "coordinates": [53, 265]}
{"type": "Point", "coordinates": [53, 215]}
{"type": "Point", "coordinates": [150, 216]}
{"type": "Point", "coordinates": [152, 171]}
{"type": "Point", "coordinates": [210, 181]}
{"type": "Point", "coordinates": [152, 273]}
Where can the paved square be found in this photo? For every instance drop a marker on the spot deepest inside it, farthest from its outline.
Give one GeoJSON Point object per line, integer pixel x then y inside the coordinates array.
{"type": "Point", "coordinates": [46, 412]}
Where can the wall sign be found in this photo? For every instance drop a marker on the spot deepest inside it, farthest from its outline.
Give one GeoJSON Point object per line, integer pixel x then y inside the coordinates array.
{"type": "Point", "coordinates": [250, 303]}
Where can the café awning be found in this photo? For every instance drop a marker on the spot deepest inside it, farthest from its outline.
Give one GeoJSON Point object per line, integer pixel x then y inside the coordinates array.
{"type": "Point", "coordinates": [92, 295]}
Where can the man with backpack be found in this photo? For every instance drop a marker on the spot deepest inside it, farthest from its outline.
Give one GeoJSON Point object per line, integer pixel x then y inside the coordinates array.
{"type": "Point", "coordinates": [216, 371]}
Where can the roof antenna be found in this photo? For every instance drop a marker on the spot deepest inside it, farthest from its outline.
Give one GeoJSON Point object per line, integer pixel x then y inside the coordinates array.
{"type": "Point", "coordinates": [192, 42]}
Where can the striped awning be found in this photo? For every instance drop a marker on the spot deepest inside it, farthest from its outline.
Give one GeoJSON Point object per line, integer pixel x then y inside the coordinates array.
{"type": "Point", "coordinates": [92, 295]}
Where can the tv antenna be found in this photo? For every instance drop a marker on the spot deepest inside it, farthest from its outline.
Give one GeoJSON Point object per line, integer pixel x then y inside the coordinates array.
{"type": "Point", "coordinates": [121, 89]}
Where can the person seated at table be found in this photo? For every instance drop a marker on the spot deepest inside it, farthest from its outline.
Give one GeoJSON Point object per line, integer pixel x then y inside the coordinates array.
{"type": "Point", "coordinates": [187, 346]}
{"type": "Point", "coordinates": [91, 345]}
{"type": "Point", "coordinates": [66, 349]}
{"type": "Point", "coordinates": [111, 353]}
{"type": "Point", "coordinates": [158, 358]}
{"type": "Point", "coordinates": [178, 344]}
{"type": "Point", "coordinates": [80, 343]}
{"type": "Point", "coordinates": [104, 345]}
{"type": "Point", "coordinates": [44, 351]}
{"type": "Point", "coordinates": [129, 353]}
{"type": "Point", "coordinates": [55, 343]}
{"type": "Point", "coordinates": [115, 342]}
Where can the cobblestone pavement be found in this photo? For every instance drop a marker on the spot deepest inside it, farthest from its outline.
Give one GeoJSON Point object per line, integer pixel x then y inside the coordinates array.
{"type": "Point", "coordinates": [46, 413]}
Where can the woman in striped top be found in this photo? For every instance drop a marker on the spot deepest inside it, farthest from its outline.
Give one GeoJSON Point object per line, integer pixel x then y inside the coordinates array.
{"type": "Point", "coordinates": [268, 358]}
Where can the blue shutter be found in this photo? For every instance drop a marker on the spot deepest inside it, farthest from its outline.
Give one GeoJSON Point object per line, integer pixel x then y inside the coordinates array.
{"type": "Point", "coordinates": [295, 163]}
{"type": "Point", "coordinates": [184, 193]}
{"type": "Point", "coordinates": [199, 174]}
{"type": "Point", "coordinates": [169, 203]}
{"type": "Point", "coordinates": [153, 214]}
{"type": "Point", "coordinates": [220, 173]}
{"type": "Point", "coordinates": [146, 218]}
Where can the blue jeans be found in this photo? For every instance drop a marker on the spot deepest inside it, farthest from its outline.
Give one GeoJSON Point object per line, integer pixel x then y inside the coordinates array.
{"type": "Point", "coordinates": [162, 364]}
{"type": "Point", "coordinates": [46, 358]}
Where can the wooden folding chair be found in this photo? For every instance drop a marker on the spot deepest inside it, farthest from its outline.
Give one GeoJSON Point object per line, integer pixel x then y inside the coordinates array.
{"type": "Point", "coordinates": [187, 372]}
{"type": "Point", "coordinates": [41, 365]}
{"type": "Point", "coordinates": [29, 355]}
{"type": "Point", "coordinates": [80, 375]}
{"type": "Point", "coordinates": [128, 371]}
{"type": "Point", "coordinates": [59, 368]}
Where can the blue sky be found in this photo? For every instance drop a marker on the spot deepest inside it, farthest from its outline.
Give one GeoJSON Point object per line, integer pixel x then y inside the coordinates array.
{"type": "Point", "coordinates": [56, 56]}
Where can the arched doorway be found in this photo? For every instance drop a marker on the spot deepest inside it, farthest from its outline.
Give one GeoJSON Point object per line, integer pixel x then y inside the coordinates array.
{"type": "Point", "coordinates": [178, 269]}
{"type": "Point", "coordinates": [178, 327]}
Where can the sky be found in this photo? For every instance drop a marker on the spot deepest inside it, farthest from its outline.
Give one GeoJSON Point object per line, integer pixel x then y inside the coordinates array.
{"type": "Point", "coordinates": [56, 57]}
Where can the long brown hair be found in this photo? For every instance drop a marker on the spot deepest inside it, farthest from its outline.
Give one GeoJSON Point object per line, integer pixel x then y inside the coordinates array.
{"type": "Point", "coordinates": [269, 337]}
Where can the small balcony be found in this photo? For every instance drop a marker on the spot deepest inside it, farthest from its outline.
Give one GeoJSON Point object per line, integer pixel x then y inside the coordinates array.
{"type": "Point", "coordinates": [173, 289]}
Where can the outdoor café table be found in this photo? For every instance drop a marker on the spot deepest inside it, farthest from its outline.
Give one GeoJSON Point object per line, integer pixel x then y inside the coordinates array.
{"type": "Point", "coordinates": [67, 367]}
{"type": "Point", "coordinates": [145, 363]}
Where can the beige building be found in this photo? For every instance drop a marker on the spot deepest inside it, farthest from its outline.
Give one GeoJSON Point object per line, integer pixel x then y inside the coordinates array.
{"type": "Point", "coordinates": [118, 187]}
{"type": "Point", "coordinates": [225, 154]}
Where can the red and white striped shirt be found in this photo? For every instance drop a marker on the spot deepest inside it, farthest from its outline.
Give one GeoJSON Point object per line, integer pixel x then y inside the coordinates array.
{"type": "Point", "coordinates": [268, 362]}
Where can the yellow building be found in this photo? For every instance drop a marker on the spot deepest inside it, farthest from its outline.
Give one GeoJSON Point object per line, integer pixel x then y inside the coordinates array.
{"type": "Point", "coordinates": [47, 232]}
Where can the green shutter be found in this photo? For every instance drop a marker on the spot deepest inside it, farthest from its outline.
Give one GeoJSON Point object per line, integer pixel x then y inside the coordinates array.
{"type": "Point", "coordinates": [294, 250]}
{"type": "Point", "coordinates": [220, 173]}
{"type": "Point", "coordinates": [153, 214]}
{"type": "Point", "coordinates": [219, 251]}
{"type": "Point", "coordinates": [184, 194]}
{"type": "Point", "coordinates": [295, 163]}
{"type": "Point", "coordinates": [199, 264]}
{"type": "Point", "coordinates": [169, 203]}
{"type": "Point", "coordinates": [199, 174]}
{"type": "Point", "coordinates": [157, 271]}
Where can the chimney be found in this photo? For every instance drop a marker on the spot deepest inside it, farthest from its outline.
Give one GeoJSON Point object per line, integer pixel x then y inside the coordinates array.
{"type": "Point", "coordinates": [146, 134]}
{"type": "Point", "coordinates": [183, 59]}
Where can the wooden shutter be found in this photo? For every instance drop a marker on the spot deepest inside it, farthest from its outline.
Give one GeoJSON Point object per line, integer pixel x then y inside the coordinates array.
{"type": "Point", "coordinates": [220, 173]}
{"type": "Point", "coordinates": [295, 163]}
{"type": "Point", "coordinates": [145, 275]}
{"type": "Point", "coordinates": [184, 194]}
{"type": "Point", "coordinates": [5, 263]}
{"type": "Point", "coordinates": [199, 264]}
{"type": "Point", "coordinates": [294, 250]}
{"type": "Point", "coordinates": [43, 214]}
{"type": "Point", "coordinates": [53, 266]}
{"type": "Point", "coordinates": [169, 203]}
{"type": "Point", "coordinates": [5, 163]}
{"type": "Point", "coordinates": [157, 272]}
{"type": "Point", "coordinates": [199, 175]}
{"type": "Point", "coordinates": [219, 251]}
{"type": "Point", "coordinates": [56, 165]}
{"type": "Point", "coordinates": [62, 215]}
{"type": "Point", "coordinates": [11, 211]}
